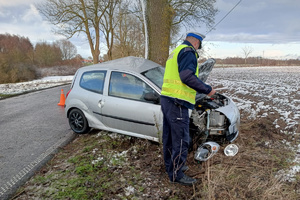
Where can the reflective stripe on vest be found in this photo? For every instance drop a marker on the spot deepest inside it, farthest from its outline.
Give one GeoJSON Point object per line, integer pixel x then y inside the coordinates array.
{"type": "Point", "coordinates": [172, 85]}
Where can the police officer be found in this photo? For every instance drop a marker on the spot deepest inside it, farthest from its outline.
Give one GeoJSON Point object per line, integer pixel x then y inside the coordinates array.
{"type": "Point", "coordinates": [178, 94]}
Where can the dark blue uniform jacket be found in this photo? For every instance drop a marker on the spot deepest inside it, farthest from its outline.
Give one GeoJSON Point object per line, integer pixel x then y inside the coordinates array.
{"type": "Point", "coordinates": [187, 64]}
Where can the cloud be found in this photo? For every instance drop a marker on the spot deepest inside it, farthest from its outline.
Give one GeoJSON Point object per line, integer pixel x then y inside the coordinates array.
{"type": "Point", "coordinates": [26, 21]}
{"type": "Point", "coordinates": [9, 3]}
{"type": "Point", "coordinates": [269, 21]}
{"type": "Point", "coordinates": [252, 22]}
{"type": "Point", "coordinates": [32, 15]}
{"type": "Point", "coordinates": [269, 38]}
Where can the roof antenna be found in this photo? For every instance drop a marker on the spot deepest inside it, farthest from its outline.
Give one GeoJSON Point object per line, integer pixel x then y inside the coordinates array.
{"type": "Point", "coordinates": [224, 17]}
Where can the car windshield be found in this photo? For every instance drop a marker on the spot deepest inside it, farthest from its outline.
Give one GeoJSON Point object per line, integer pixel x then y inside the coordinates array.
{"type": "Point", "coordinates": [156, 75]}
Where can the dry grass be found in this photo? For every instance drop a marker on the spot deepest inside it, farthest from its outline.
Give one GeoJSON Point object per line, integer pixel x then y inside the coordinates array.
{"type": "Point", "coordinates": [139, 174]}
{"type": "Point", "coordinates": [253, 172]}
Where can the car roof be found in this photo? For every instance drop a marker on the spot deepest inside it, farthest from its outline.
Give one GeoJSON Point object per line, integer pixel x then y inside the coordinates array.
{"type": "Point", "coordinates": [131, 63]}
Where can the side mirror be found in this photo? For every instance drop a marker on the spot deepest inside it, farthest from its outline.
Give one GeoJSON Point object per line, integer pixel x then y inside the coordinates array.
{"type": "Point", "coordinates": [150, 96]}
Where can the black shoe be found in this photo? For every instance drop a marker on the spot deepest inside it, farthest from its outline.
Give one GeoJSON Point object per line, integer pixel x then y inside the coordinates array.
{"type": "Point", "coordinates": [186, 180]}
{"type": "Point", "coordinates": [184, 168]}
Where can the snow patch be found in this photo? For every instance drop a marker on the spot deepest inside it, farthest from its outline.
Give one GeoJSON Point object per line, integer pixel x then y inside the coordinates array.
{"type": "Point", "coordinates": [46, 82]}
{"type": "Point", "coordinates": [129, 190]}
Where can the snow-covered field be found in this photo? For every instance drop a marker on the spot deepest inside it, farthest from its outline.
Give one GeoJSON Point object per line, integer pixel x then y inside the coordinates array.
{"type": "Point", "coordinates": [50, 81]}
{"type": "Point", "coordinates": [262, 92]}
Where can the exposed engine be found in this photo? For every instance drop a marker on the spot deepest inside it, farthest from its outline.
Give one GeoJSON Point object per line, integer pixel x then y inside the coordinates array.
{"type": "Point", "coordinates": [214, 120]}
{"type": "Point", "coordinates": [205, 116]}
{"type": "Point", "coordinates": [206, 120]}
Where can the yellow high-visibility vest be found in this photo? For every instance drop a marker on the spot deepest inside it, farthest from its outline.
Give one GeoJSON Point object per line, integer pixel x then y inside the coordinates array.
{"type": "Point", "coordinates": [172, 85]}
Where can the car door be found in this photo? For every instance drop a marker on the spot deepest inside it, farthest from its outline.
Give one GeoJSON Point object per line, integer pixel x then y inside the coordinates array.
{"type": "Point", "coordinates": [125, 108]}
{"type": "Point", "coordinates": [91, 92]}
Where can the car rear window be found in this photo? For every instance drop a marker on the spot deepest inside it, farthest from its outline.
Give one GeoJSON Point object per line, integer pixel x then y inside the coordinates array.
{"type": "Point", "coordinates": [93, 81]}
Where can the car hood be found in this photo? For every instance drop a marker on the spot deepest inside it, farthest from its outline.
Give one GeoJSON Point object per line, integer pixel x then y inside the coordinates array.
{"type": "Point", "coordinates": [205, 69]}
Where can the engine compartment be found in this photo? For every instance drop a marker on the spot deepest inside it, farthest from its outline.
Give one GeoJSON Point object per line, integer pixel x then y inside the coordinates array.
{"type": "Point", "coordinates": [206, 118]}
{"type": "Point", "coordinates": [214, 121]}
{"type": "Point", "coordinates": [215, 101]}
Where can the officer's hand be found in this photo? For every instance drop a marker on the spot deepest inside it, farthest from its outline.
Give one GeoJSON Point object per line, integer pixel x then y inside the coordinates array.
{"type": "Point", "coordinates": [212, 92]}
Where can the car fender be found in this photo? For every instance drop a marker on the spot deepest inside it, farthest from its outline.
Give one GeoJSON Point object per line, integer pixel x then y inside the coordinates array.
{"type": "Point", "coordinates": [232, 113]}
{"type": "Point", "coordinates": [92, 120]}
{"type": "Point", "coordinates": [75, 103]}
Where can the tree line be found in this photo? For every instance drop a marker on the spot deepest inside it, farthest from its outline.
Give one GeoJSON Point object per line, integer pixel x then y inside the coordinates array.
{"type": "Point", "coordinates": [256, 61]}
{"type": "Point", "coordinates": [19, 59]}
{"type": "Point", "coordinates": [144, 28]}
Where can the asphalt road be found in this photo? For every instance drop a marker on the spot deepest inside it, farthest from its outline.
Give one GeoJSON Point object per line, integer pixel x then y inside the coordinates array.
{"type": "Point", "coordinates": [32, 128]}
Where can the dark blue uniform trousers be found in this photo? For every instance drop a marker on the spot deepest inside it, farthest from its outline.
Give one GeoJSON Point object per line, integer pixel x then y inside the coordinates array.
{"type": "Point", "coordinates": [175, 137]}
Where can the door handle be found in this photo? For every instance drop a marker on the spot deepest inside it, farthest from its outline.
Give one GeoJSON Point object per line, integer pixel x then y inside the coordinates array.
{"type": "Point", "coordinates": [101, 103]}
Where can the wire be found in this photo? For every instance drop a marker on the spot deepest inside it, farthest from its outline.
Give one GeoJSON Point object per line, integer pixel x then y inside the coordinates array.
{"type": "Point", "coordinates": [224, 17]}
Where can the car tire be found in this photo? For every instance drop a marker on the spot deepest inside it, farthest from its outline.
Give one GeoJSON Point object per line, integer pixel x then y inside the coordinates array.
{"type": "Point", "coordinates": [78, 121]}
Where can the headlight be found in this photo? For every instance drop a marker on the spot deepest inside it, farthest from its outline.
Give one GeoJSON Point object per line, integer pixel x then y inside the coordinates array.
{"type": "Point", "coordinates": [206, 151]}
{"type": "Point", "coordinates": [231, 150]}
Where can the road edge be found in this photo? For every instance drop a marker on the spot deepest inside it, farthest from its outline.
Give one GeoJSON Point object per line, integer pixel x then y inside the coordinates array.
{"type": "Point", "coordinates": [8, 190]}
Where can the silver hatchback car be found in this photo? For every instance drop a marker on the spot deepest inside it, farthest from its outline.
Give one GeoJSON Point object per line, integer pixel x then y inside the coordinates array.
{"type": "Point", "coordinates": [121, 96]}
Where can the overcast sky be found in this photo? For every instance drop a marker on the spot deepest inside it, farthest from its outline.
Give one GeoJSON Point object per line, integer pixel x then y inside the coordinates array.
{"type": "Point", "coordinates": [270, 27]}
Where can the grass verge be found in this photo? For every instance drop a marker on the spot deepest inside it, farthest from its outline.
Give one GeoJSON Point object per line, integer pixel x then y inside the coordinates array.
{"type": "Point", "coordinates": [102, 165]}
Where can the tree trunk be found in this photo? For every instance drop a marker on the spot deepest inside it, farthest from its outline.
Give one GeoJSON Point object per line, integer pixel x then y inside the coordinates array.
{"type": "Point", "coordinates": [159, 16]}
{"type": "Point", "coordinates": [95, 55]}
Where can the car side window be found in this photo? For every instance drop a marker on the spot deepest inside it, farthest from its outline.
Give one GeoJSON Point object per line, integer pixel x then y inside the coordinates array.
{"type": "Point", "coordinates": [93, 81]}
{"type": "Point", "coordinates": [128, 86]}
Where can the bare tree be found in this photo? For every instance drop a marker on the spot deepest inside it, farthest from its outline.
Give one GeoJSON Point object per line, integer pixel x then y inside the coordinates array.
{"type": "Point", "coordinates": [129, 37]}
{"type": "Point", "coordinates": [16, 59]}
{"type": "Point", "coordinates": [109, 22]}
{"type": "Point", "coordinates": [68, 49]}
{"type": "Point", "coordinates": [76, 16]}
{"type": "Point", "coordinates": [247, 50]}
{"type": "Point", "coordinates": [16, 48]}
{"type": "Point", "coordinates": [46, 55]}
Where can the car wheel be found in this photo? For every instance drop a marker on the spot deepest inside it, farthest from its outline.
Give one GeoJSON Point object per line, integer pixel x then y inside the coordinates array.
{"type": "Point", "coordinates": [78, 122]}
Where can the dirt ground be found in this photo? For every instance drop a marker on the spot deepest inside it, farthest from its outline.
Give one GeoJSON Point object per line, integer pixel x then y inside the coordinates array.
{"type": "Point", "coordinates": [137, 172]}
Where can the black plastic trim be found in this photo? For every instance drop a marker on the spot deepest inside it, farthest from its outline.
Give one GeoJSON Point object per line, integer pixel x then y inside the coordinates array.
{"type": "Point", "coordinates": [125, 119]}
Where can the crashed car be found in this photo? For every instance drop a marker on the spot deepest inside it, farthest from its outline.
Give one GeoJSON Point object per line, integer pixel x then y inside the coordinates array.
{"type": "Point", "coordinates": [123, 96]}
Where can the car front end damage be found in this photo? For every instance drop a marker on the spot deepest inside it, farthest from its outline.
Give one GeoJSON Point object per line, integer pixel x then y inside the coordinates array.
{"type": "Point", "coordinates": [215, 120]}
